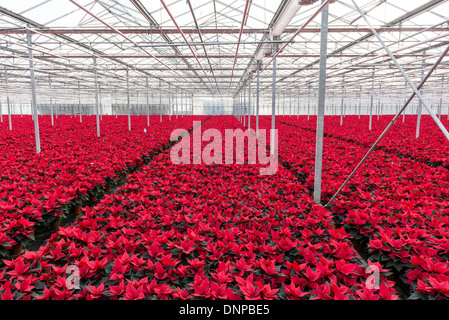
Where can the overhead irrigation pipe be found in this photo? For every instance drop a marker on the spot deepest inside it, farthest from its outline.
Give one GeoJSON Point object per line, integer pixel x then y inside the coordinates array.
{"type": "Point", "coordinates": [390, 124]}
{"type": "Point", "coordinates": [127, 38]}
{"type": "Point", "coordinates": [421, 98]}
{"type": "Point", "coordinates": [325, 3]}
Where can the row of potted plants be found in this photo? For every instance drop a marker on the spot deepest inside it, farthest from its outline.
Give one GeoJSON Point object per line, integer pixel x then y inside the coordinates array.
{"type": "Point", "coordinates": [36, 190]}
{"type": "Point", "coordinates": [396, 208]}
{"type": "Point", "coordinates": [199, 231]}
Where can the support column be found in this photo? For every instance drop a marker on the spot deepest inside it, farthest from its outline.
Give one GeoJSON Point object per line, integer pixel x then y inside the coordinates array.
{"type": "Point", "coordinates": [182, 104]}
{"type": "Point", "coordinates": [290, 111]}
{"type": "Point", "coordinates": [371, 104]}
{"type": "Point", "coordinates": [169, 102]}
{"type": "Point", "coordinates": [148, 102]}
{"type": "Point", "coordinates": [342, 100]}
{"type": "Point", "coordinates": [244, 107]}
{"type": "Point", "coordinates": [418, 123]}
{"type": "Point", "coordinates": [308, 103]}
{"type": "Point", "coordinates": [127, 99]}
{"type": "Point", "coordinates": [51, 101]}
{"type": "Point", "coordinates": [273, 100]}
{"type": "Point", "coordinates": [403, 114]}
{"type": "Point", "coordinates": [283, 104]}
{"type": "Point", "coordinates": [298, 105]}
{"type": "Point", "coordinates": [99, 100]}
{"type": "Point", "coordinates": [7, 100]}
{"type": "Point", "coordinates": [360, 102]}
{"type": "Point", "coordinates": [176, 106]}
{"type": "Point", "coordinates": [440, 106]}
{"type": "Point", "coordinates": [249, 105]}
{"type": "Point", "coordinates": [160, 100]}
{"type": "Point", "coordinates": [257, 100]}
{"type": "Point", "coordinates": [33, 93]}
{"type": "Point", "coordinates": [79, 101]}
{"type": "Point", "coordinates": [97, 108]}
{"type": "Point", "coordinates": [378, 102]}
{"type": "Point", "coordinates": [321, 105]}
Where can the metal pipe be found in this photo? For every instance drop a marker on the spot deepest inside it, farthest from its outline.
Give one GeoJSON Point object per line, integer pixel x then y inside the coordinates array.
{"type": "Point", "coordinates": [342, 99]}
{"type": "Point", "coordinates": [360, 102]}
{"type": "Point", "coordinates": [97, 111]}
{"type": "Point", "coordinates": [249, 105]}
{"type": "Point", "coordinates": [169, 102]}
{"type": "Point", "coordinates": [51, 102]}
{"type": "Point", "coordinates": [7, 101]}
{"type": "Point", "coordinates": [273, 101]}
{"type": "Point", "coordinates": [133, 30]}
{"type": "Point", "coordinates": [418, 123]}
{"type": "Point", "coordinates": [257, 100]}
{"type": "Point", "coordinates": [244, 107]}
{"type": "Point", "coordinates": [290, 111]}
{"type": "Point", "coordinates": [371, 104]}
{"type": "Point", "coordinates": [160, 100]}
{"type": "Point", "coordinates": [321, 104]}
{"type": "Point", "coordinates": [440, 106]}
{"type": "Point", "coordinates": [79, 102]}
{"type": "Point", "coordinates": [148, 103]}
{"type": "Point", "coordinates": [33, 94]}
{"type": "Point", "coordinates": [298, 106]}
{"type": "Point", "coordinates": [308, 103]}
{"type": "Point", "coordinates": [212, 43]}
{"type": "Point", "coordinates": [128, 100]}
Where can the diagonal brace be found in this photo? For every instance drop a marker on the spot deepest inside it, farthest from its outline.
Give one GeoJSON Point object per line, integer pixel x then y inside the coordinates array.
{"type": "Point", "coordinates": [423, 81]}
{"type": "Point", "coordinates": [418, 94]}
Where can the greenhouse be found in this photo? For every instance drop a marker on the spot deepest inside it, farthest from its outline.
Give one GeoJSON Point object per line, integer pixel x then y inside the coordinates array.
{"type": "Point", "coordinates": [224, 150]}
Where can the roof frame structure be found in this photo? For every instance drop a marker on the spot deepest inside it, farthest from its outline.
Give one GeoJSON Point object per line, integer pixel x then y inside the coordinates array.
{"type": "Point", "coordinates": [208, 48]}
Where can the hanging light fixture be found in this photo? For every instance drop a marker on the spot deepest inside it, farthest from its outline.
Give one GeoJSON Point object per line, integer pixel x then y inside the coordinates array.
{"type": "Point", "coordinates": [290, 10]}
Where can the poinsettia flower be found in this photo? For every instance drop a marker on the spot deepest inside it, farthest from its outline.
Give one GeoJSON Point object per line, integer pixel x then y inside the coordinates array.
{"type": "Point", "coordinates": [7, 295]}
{"type": "Point", "coordinates": [19, 267]}
{"type": "Point", "coordinates": [269, 293]}
{"type": "Point", "coordinates": [133, 293]}
{"type": "Point", "coordinates": [201, 287]}
{"type": "Point", "coordinates": [294, 291]}
{"type": "Point", "coordinates": [182, 294]}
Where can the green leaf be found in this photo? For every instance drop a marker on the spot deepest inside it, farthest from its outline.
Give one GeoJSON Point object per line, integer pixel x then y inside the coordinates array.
{"type": "Point", "coordinates": [281, 293]}
{"type": "Point", "coordinates": [37, 267]}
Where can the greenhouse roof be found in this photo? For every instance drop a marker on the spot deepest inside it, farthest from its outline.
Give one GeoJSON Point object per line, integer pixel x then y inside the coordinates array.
{"type": "Point", "coordinates": [212, 47]}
